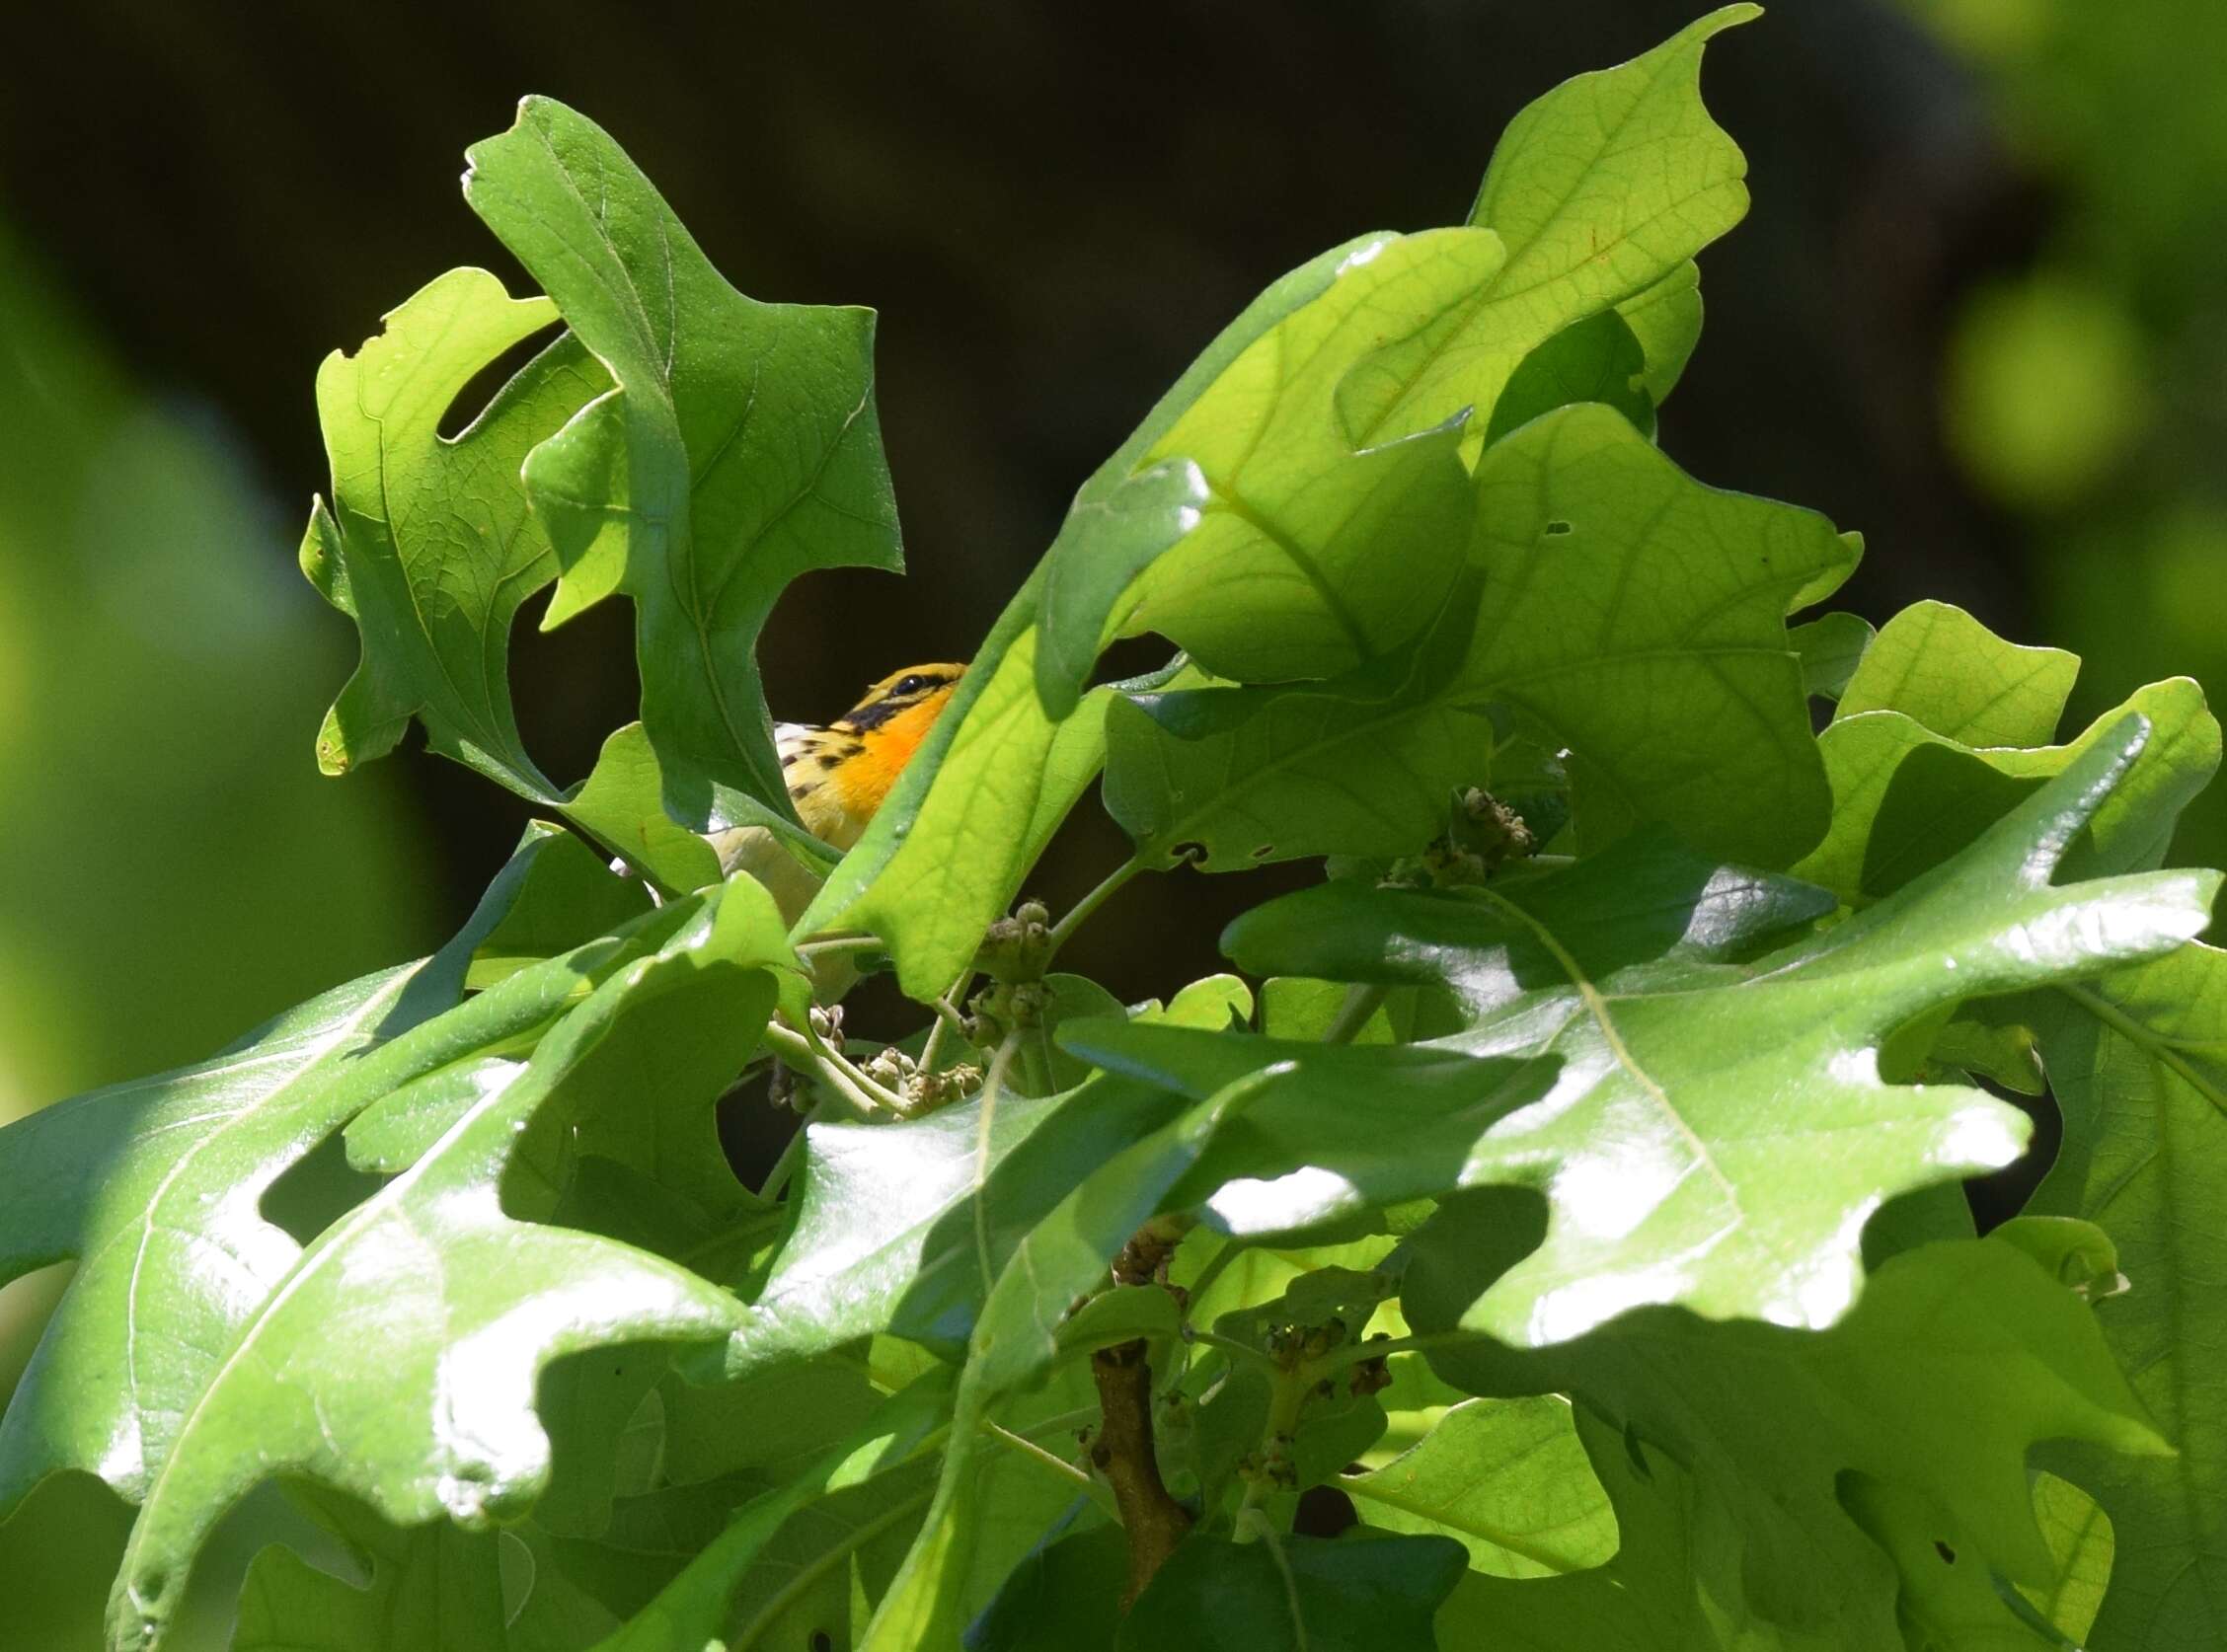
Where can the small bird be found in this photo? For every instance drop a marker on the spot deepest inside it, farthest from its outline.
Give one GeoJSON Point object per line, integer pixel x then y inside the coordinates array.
{"type": "Point", "coordinates": [838, 775]}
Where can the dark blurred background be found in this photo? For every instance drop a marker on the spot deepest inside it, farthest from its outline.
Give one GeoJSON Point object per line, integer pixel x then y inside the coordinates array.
{"type": "Point", "coordinates": [1978, 311]}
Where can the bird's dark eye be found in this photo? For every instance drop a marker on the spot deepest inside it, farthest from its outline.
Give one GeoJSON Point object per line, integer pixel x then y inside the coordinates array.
{"type": "Point", "coordinates": [909, 686]}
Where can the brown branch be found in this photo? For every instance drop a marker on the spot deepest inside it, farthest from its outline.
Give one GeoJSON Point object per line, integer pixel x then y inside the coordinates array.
{"type": "Point", "coordinates": [1154, 1522]}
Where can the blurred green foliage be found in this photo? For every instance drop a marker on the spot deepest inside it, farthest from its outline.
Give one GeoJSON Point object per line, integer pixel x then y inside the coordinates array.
{"type": "Point", "coordinates": [176, 868]}
{"type": "Point", "coordinates": [2088, 395]}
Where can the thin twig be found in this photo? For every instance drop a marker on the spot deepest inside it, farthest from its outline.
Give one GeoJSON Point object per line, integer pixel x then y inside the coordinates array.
{"type": "Point", "coordinates": [1035, 1454]}
{"type": "Point", "coordinates": [1357, 1353]}
{"type": "Point", "coordinates": [1235, 1349]}
{"type": "Point", "coordinates": [948, 1018]}
{"type": "Point", "coordinates": [791, 1153]}
{"type": "Point", "coordinates": [856, 1088]}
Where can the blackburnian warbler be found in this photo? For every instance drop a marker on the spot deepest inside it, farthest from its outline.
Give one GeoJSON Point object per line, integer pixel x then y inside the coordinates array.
{"type": "Point", "coordinates": [839, 772]}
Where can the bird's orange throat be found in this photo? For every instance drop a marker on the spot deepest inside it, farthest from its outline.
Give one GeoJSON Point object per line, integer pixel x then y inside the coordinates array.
{"type": "Point", "coordinates": [862, 781]}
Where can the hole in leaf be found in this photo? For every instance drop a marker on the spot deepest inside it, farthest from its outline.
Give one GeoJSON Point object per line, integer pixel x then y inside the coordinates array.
{"type": "Point", "coordinates": [1191, 853]}
{"type": "Point", "coordinates": [1947, 1553]}
{"type": "Point", "coordinates": [316, 1190]}
{"type": "Point", "coordinates": [482, 386]}
{"type": "Point", "coordinates": [1264, 852]}
{"type": "Point", "coordinates": [1324, 1512]}
{"type": "Point", "coordinates": [573, 686]}
{"type": "Point", "coordinates": [1132, 656]}
{"type": "Point", "coordinates": [1556, 529]}
{"type": "Point", "coordinates": [822, 1641]}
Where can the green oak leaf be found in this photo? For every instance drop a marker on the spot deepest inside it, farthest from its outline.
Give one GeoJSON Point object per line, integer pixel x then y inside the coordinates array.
{"type": "Point", "coordinates": [1506, 1479]}
{"type": "Point", "coordinates": [1718, 1134]}
{"type": "Point", "coordinates": [1597, 359]}
{"type": "Point", "coordinates": [569, 896]}
{"type": "Point", "coordinates": [1016, 1338]}
{"type": "Point", "coordinates": [1633, 613]}
{"type": "Point", "coordinates": [1640, 618]}
{"type": "Point", "coordinates": [1947, 1596]}
{"type": "Point", "coordinates": [397, 1360]}
{"type": "Point", "coordinates": [903, 1226]}
{"type": "Point", "coordinates": [1130, 511]}
{"type": "Point", "coordinates": [1064, 1597]}
{"type": "Point", "coordinates": [1293, 1594]}
{"type": "Point", "coordinates": [622, 804]}
{"type": "Point", "coordinates": [433, 1586]}
{"type": "Point", "coordinates": [1672, 1585]}
{"type": "Point", "coordinates": [1907, 799]}
{"type": "Point", "coordinates": [2082, 1543]}
{"type": "Point", "coordinates": [2138, 1064]}
{"type": "Point", "coordinates": [1603, 191]}
{"type": "Point", "coordinates": [1018, 743]}
{"type": "Point", "coordinates": [739, 448]}
{"type": "Point", "coordinates": [1956, 1361]}
{"type": "Point", "coordinates": [1666, 321]}
{"type": "Point", "coordinates": [1331, 1130]}
{"type": "Point", "coordinates": [429, 544]}
{"type": "Point", "coordinates": [1307, 558]}
{"type": "Point", "coordinates": [1935, 663]}
{"type": "Point", "coordinates": [1831, 647]}
{"type": "Point", "coordinates": [1222, 779]}
{"type": "Point", "coordinates": [698, 1608]}
{"type": "Point", "coordinates": [155, 1188]}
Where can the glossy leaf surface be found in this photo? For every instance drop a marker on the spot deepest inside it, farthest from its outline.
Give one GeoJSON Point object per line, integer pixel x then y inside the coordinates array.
{"type": "Point", "coordinates": [397, 1359]}
{"type": "Point", "coordinates": [1687, 1096]}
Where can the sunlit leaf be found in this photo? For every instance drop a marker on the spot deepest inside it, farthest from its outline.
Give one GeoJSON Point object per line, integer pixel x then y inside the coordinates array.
{"type": "Point", "coordinates": [1717, 1135]}
{"type": "Point", "coordinates": [738, 449]}
{"type": "Point", "coordinates": [1600, 191]}
{"type": "Point", "coordinates": [397, 1360]}
{"type": "Point", "coordinates": [1831, 647]}
{"type": "Point", "coordinates": [1935, 663]}
{"type": "Point", "coordinates": [1907, 799]}
{"type": "Point", "coordinates": [1508, 1481]}
{"type": "Point", "coordinates": [1308, 556]}
{"type": "Point", "coordinates": [1633, 613]}
{"type": "Point", "coordinates": [427, 542]}
{"type": "Point", "coordinates": [155, 1188]}
{"type": "Point", "coordinates": [1674, 1584]}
